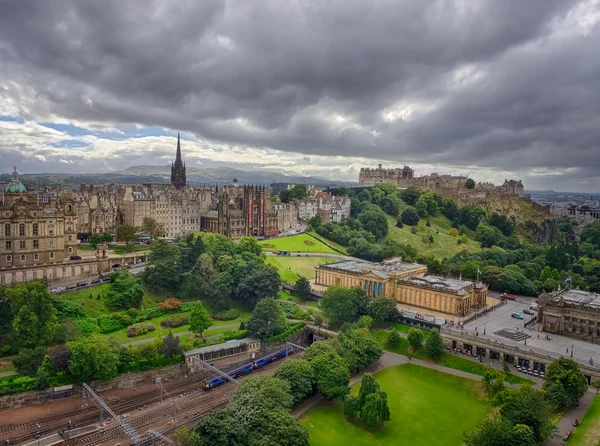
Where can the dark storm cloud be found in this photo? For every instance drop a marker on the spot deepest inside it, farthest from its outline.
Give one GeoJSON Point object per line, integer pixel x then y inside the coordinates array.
{"type": "Point", "coordinates": [511, 84]}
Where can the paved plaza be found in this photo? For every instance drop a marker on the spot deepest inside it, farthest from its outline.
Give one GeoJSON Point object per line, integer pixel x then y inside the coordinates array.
{"type": "Point", "coordinates": [500, 318]}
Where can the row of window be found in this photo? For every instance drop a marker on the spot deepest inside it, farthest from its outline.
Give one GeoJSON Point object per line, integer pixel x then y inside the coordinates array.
{"type": "Point", "coordinates": [23, 257]}
{"type": "Point", "coordinates": [23, 244]}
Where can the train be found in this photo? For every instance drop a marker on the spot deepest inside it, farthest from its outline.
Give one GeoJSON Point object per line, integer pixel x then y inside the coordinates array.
{"type": "Point", "coordinates": [246, 368]}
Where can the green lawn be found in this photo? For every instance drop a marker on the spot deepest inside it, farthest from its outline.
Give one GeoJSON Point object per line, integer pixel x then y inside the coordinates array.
{"type": "Point", "coordinates": [427, 408]}
{"type": "Point", "coordinates": [296, 243]}
{"type": "Point", "coordinates": [290, 267]}
{"type": "Point", "coordinates": [588, 431]}
{"type": "Point", "coordinates": [446, 359]}
{"type": "Point", "coordinates": [283, 295]}
{"type": "Point", "coordinates": [444, 245]}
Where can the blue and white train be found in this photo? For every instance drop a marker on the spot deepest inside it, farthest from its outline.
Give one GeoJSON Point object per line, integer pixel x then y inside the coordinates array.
{"type": "Point", "coordinates": [247, 368]}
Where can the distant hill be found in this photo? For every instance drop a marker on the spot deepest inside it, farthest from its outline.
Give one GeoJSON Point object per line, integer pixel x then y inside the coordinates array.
{"type": "Point", "coordinates": [162, 174]}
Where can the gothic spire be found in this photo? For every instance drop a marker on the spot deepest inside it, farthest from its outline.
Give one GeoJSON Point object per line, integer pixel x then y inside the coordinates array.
{"type": "Point", "coordinates": [178, 156]}
{"type": "Point", "coordinates": [178, 176]}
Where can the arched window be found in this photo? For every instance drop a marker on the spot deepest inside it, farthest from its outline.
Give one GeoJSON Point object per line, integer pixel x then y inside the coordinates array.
{"type": "Point", "coordinates": [21, 229]}
{"type": "Point", "coordinates": [34, 229]}
{"type": "Point", "coordinates": [7, 230]}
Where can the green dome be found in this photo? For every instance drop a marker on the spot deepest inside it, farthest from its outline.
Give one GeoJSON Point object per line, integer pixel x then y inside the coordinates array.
{"type": "Point", "coordinates": [15, 185]}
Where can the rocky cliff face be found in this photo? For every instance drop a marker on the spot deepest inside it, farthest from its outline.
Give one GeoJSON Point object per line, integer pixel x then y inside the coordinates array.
{"type": "Point", "coordinates": [544, 232]}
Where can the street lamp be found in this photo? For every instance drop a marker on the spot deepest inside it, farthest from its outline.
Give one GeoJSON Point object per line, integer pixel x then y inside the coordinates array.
{"type": "Point", "coordinates": [572, 347]}
{"type": "Point", "coordinates": [484, 324]}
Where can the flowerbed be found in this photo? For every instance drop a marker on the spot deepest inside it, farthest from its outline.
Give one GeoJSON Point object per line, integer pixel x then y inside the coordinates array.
{"type": "Point", "coordinates": [176, 320]}
{"type": "Point", "coordinates": [139, 329]}
{"type": "Point", "coordinates": [227, 315]}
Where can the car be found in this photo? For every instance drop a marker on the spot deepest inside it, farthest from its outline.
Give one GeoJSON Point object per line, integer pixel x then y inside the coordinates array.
{"type": "Point", "coordinates": [82, 284]}
{"type": "Point", "coordinates": [60, 289]}
{"type": "Point", "coordinates": [75, 258]}
{"type": "Point", "coordinates": [71, 287]}
{"type": "Point", "coordinates": [510, 297]}
{"type": "Point", "coordinates": [95, 281]}
{"type": "Point", "coordinates": [526, 311]}
{"type": "Point", "coordinates": [106, 279]}
{"type": "Point", "coordinates": [283, 253]}
{"type": "Point", "coordinates": [517, 315]}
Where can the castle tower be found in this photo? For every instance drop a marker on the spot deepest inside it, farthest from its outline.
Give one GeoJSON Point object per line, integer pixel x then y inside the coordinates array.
{"type": "Point", "coordinates": [178, 177]}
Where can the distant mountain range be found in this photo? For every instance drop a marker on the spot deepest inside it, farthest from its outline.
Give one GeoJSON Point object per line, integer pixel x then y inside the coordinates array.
{"type": "Point", "coordinates": [162, 174]}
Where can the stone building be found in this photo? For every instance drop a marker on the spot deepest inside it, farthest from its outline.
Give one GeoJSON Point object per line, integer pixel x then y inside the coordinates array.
{"type": "Point", "coordinates": [330, 208]}
{"type": "Point", "coordinates": [287, 215]}
{"type": "Point", "coordinates": [34, 232]}
{"type": "Point", "coordinates": [570, 312]}
{"type": "Point", "coordinates": [406, 283]}
{"type": "Point", "coordinates": [381, 175]}
{"type": "Point", "coordinates": [178, 174]}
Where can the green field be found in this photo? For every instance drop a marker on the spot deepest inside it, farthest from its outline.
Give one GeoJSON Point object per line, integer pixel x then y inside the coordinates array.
{"type": "Point", "coordinates": [339, 248]}
{"type": "Point", "coordinates": [446, 359]}
{"type": "Point", "coordinates": [588, 431]}
{"type": "Point", "coordinates": [296, 243]}
{"type": "Point", "coordinates": [427, 408]}
{"type": "Point", "coordinates": [283, 295]}
{"type": "Point", "coordinates": [290, 267]}
{"type": "Point", "coordinates": [444, 245]}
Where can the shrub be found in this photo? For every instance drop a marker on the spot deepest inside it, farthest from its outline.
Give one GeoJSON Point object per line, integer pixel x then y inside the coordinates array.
{"type": "Point", "coordinates": [171, 304]}
{"type": "Point", "coordinates": [240, 334]}
{"type": "Point", "coordinates": [177, 320]}
{"type": "Point", "coordinates": [187, 306]}
{"type": "Point", "coordinates": [399, 224]}
{"type": "Point", "coordinates": [227, 315]}
{"type": "Point", "coordinates": [413, 230]}
{"type": "Point", "coordinates": [222, 305]}
{"type": "Point", "coordinates": [133, 312]}
{"type": "Point", "coordinates": [69, 310]}
{"type": "Point", "coordinates": [410, 217]}
{"type": "Point", "coordinates": [428, 223]}
{"type": "Point", "coordinates": [453, 232]}
{"type": "Point", "coordinates": [150, 317]}
{"type": "Point", "coordinates": [87, 326]}
{"type": "Point", "coordinates": [286, 335]}
{"type": "Point", "coordinates": [124, 318]}
{"type": "Point", "coordinates": [108, 324]}
{"type": "Point", "coordinates": [140, 329]}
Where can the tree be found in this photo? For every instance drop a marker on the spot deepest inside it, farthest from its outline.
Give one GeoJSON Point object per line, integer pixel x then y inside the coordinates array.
{"type": "Point", "coordinates": [351, 407]}
{"type": "Point", "coordinates": [126, 233]}
{"type": "Point", "coordinates": [60, 357]}
{"type": "Point", "coordinates": [152, 227]}
{"type": "Point", "coordinates": [564, 382]}
{"type": "Point", "coordinates": [522, 435]}
{"type": "Point", "coordinates": [263, 282]}
{"type": "Point", "coordinates": [338, 305]}
{"type": "Point", "coordinates": [199, 319]}
{"type": "Point", "coordinates": [315, 222]}
{"type": "Point", "coordinates": [415, 337]}
{"type": "Point", "coordinates": [255, 396]}
{"type": "Point", "coordinates": [299, 191]}
{"type": "Point", "coordinates": [107, 237]}
{"type": "Point", "coordinates": [491, 432]}
{"type": "Point", "coordinates": [502, 223]}
{"type": "Point", "coordinates": [375, 409]}
{"type": "Point", "coordinates": [393, 338]}
{"type": "Point", "coordinates": [302, 288]}
{"type": "Point", "coordinates": [125, 291]}
{"type": "Point", "coordinates": [410, 217]}
{"type": "Point", "coordinates": [298, 373]}
{"type": "Point", "coordinates": [94, 357]}
{"type": "Point", "coordinates": [250, 245]}
{"type": "Point", "coordinates": [267, 319]}
{"type": "Point", "coordinates": [591, 234]}
{"type": "Point", "coordinates": [493, 382]}
{"type": "Point", "coordinates": [359, 348]}
{"type": "Point", "coordinates": [95, 239]}
{"type": "Point", "coordinates": [34, 316]}
{"type": "Point", "coordinates": [374, 221]}
{"type": "Point", "coordinates": [277, 428]}
{"type": "Point", "coordinates": [43, 374]}
{"type": "Point", "coordinates": [434, 344]}
{"type": "Point", "coordinates": [285, 196]}
{"type": "Point", "coordinates": [205, 275]}
{"type": "Point", "coordinates": [391, 205]}
{"type": "Point", "coordinates": [368, 385]}
{"type": "Point", "coordinates": [29, 360]}
{"type": "Point", "coordinates": [331, 375]}
{"type": "Point", "coordinates": [318, 348]}
{"type": "Point", "coordinates": [170, 346]}
{"type": "Point", "coordinates": [220, 427]}
{"type": "Point", "coordinates": [470, 183]}
{"type": "Point", "coordinates": [164, 269]}
{"type": "Point", "coordinates": [382, 308]}
{"type": "Point", "coordinates": [411, 195]}
{"type": "Point", "coordinates": [191, 246]}
{"type": "Point", "coordinates": [185, 437]}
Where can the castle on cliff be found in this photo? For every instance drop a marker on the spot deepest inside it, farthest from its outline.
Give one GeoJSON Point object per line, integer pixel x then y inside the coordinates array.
{"type": "Point", "coordinates": [448, 186]}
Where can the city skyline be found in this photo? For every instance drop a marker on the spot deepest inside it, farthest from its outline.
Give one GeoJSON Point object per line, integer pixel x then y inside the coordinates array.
{"type": "Point", "coordinates": [493, 90]}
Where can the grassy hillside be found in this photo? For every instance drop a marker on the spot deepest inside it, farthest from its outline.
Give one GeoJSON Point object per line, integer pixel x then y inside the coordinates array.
{"type": "Point", "coordinates": [291, 267]}
{"type": "Point", "coordinates": [444, 245]}
{"type": "Point", "coordinates": [296, 243]}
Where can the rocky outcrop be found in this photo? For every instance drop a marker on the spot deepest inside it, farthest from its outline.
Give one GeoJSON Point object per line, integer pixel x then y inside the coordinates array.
{"type": "Point", "coordinates": [543, 232]}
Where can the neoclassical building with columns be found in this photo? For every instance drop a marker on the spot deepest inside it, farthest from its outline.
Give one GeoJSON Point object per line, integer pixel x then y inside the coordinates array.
{"type": "Point", "coordinates": [568, 312]}
{"type": "Point", "coordinates": [407, 283]}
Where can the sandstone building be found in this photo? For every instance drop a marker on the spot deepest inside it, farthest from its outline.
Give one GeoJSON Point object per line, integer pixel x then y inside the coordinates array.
{"type": "Point", "coordinates": [406, 283]}
{"type": "Point", "coordinates": [570, 312]}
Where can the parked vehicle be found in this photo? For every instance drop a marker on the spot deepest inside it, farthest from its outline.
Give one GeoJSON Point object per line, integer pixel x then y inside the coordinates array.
{"type": "Point", "coordinates": [283, 253]}
{"type": "Point", "coordinates": [526, 311]}
{"type": "Point", "coordinates": [533, 307]}
{"type": "Point", "coordinates": [82, 284]}
{"type": "Point", "coordinates": [71, 287]}
{"type": "Point", "coordinates": [510, 297]}
{"type": "Point", "coordinates": [60, 289]}
{"type": "Point", "coordinates": [517, 315]}
{"type": "Point", "coordinates": [75, 258]}
{"type": "Point", "coordinates": [95, 281]}
{"type": "Point", "coordinates": [106, 279]}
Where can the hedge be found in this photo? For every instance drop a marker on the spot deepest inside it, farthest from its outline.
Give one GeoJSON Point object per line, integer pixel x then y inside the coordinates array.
{"type": "Point", "coordinates": [227, 315]}
{"type": "Point", "coordinates": [141, 366]}
{"type": "Point", "coordinates": [139, 329]}
{"type": "Point", "coordinates": [286, 335]}
{"type": "Point", "coordinates": [108, 324]}
{"type": "Point", "coordinates": [241, 334]}
{"type": "Point", "coordinates": [177, 320]}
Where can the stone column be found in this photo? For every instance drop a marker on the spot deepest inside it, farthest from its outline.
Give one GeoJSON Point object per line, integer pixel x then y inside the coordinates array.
{"type": "Point", "coordinates": [487, 353]}
{"type": "Point", "coordinates": [516, 362]}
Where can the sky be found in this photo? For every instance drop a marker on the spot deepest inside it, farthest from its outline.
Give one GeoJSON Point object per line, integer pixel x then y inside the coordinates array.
{"type": "Point", "coordinates": [490, 89]}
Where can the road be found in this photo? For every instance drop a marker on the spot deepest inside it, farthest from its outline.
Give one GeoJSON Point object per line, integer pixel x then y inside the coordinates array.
{"type": "Point", "coordinates": [521, 299]}
{"type": "Point", "coordinates": [88, 279]}
{"type": "Point", "coordinates": [316, 254]}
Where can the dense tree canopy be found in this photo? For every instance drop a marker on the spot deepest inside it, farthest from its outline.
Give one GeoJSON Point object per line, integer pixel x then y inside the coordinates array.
{"type": "Point", "coordinates": [94, 357]}
{"type": "Point", "coordinates": [255, 396]}
{"type": "Point", "coordinates": [564, 383]}
{"type": "Point", "coordinates": [164, 269]}
{"type": "Point", "coordinates": [267, 319]}
{"type": "Point", "coordinates": [152, 227]}
{"type": "Point", "coordinates": [199, 319]}
{"type": "Point", "coordinates": [299, 375]}
{"type": "Point", "coordinates": [220, 427]}
{"type": "Point", "coordinates": [331, 375]}
{"type": "Point", "coordinates": [125, 233]}
{"type": "Point", "coordinates": [125, 291]}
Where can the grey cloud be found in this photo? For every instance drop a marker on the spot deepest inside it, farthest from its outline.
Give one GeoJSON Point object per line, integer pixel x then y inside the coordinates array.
{"type": "Point", "coordinates": [287, 69]}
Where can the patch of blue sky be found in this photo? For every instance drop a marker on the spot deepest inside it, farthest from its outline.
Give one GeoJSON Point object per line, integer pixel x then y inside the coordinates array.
{"type": "Point", "coordinates": [7, 118]}
{"type": "Point", "coordinates": [126, 133]}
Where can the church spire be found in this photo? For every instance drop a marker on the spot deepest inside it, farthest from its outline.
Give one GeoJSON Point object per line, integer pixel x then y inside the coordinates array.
{"type": "Point", "coordinates": [178, 176]}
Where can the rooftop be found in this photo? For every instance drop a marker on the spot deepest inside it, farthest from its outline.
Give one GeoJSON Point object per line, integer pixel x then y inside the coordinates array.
{"type": "Point", "coordinates": [579, 297]}
{"type": "Point", "coordinates": [441, 283]}
{"type": "Point", "coordinates": [379, 269]}
{"type": "Point", "coordinates": [235, 343]}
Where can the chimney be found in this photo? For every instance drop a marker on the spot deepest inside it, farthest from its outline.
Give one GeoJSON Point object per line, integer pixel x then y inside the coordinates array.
{"type": "Point", "coordinates": [380, 166]}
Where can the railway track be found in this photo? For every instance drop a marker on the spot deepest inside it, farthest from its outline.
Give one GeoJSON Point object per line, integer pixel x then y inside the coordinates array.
{"type": "Point", "coordinates": [191, 408]}
{"type": "Point", "coordinates": [20, 433]}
